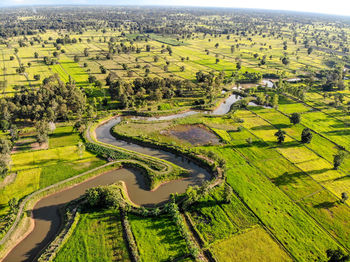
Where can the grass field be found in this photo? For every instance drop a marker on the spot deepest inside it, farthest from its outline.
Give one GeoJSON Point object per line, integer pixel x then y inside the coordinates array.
{"type": "Point", "coordinates": [283, 185]}
{"type": "Point", "coordinates": [254, 245]}
{"type": "Point", "coordinates": [97, 237]}
{"type": "Point", "coordinates": [157, 238]}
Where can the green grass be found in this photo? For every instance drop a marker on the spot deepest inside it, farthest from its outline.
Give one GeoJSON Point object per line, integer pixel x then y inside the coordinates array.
{"type": "Point", "coordinates": [54, 173]}
{"type": "Point", "coordinates": [157, 238]}
{"type": "Point", "coordinates": [97, 237]}
{"type": "Point", "coordinates": [26, 182]}
{"type": "Point", "coordinates": [211, 221]}
{"type": "Point", "coordinates": [285, 219]}
{"type": "Point", "coordinates": [63, 136]}
{"type": "Point", "coordinates": [285, 174]}
{"type": "Point", "coordinates": [254, 245]}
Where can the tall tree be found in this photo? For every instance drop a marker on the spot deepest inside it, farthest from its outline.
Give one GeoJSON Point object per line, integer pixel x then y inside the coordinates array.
{"type": "Point", "coordinates": [281, 135]}
{"type": "Point", "coordinates": [306, 136]}
{"type": "Point", "coordinates": [295, 118]}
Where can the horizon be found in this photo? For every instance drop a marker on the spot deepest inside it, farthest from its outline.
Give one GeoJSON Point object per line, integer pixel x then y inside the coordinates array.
{"type": "Point", "coordinates": [180, 4]}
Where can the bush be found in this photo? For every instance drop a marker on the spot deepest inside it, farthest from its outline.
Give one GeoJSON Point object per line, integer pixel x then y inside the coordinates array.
{"type": "Point", "coordinates": [106, 153]}
{"type": "Point", "coordinates": [103, 197]}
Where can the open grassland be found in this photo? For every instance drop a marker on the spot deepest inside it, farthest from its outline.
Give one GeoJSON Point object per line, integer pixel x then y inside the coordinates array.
{"type": "Point", "coordinates": [97, 237]}
{"type": "Point", "coordinates": [157, 238]}
{"type": "Point", "coordinates": [253, 245]}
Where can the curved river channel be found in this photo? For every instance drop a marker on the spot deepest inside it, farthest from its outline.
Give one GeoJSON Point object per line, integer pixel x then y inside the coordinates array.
{"type": "Point", "coordinates": [46, 216]}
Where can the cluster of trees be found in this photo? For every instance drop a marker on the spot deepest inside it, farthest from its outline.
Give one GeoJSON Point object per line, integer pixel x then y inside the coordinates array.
{"type": "Point", "coordinates": [297, 91]}
{"type": "Point", "coordinates": [332, 79]}
{"type": "Point", "coordinates": [141, 90]}
{"type": "Point", "coordinates": [247, 77]}
{"type": "Point", "coordinates": [103, 197]}
{"type": "Point", "coordinates": [267, 100]}
{"type": "Point", "coordinates": [54, 100]}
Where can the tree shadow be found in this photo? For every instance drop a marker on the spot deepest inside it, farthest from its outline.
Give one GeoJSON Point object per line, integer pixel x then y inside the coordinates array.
{"type": "Point", "coordinates": [326, 204]}
{"type": "Point", "coordinates": [61, 134]}
{"type": "Point", "coordinates": [270, 127]}
{"type": "Point", "coordinates": [254, 143]}
{"type": "Point", "coordinates": [287, 178]}
{"type": "Point", "coordinates": [344, 132]}
{"type": "Point", "coordinates": [289, 144]}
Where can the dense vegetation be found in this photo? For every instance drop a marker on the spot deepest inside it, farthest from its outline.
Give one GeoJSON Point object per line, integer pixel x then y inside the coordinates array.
{"type": "Point", "coordinates": [283, 146]}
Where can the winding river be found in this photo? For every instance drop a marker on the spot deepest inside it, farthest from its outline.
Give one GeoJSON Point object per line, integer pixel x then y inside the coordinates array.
{"type": "Point", "coordinates": [46, 216]}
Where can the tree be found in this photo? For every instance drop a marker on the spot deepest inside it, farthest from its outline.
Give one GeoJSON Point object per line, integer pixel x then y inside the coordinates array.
{"type": "Point", "coordinates": [285, 61]}
{"type": "Point", "coordinates": [80, 149]}
{"type": "Point", "coordinates": [191, 195]}
{"type": "Point", "coordinates": [295, 118]}
{"type": "Point", "coordinates": [76, 59]}
{"type": "Point", "coordinates": [5, 164]}
{"type": "Point", "coordinates": [216, 45]}
{"type": "Point", "coordinates": [280, 134]}
{"type": "Point", "coordinates": [228, 193]}
{"type": "Point", "coordinates": [344, 197]}
{"type": "Point", "coordinates": [92, 79]}
{"type": "Point", "coordinates": [306, 136]}
{"type": "Point", "coordinates": [42, 128]}
{"type": "Point", "coordinates": [37, 77]}
{"type": "Point", "coordinates": [309, 50]}
{"type": "Point", "coordinates": [13, 204]}
{"type": "Point", "coordinates": [5, 146]}
{"type": "Point", "coordinates": [338, 159]}
{"type": "Point", "coordinates": [103, 70]}
{"type": "Point", "coordinates": [103, 197]}
{"type": "Point", "coordinates": [86, 52]}
{"type": "Point", "coordinates": [14, 133]}
{"type": "Point", "coordinates": [275, 99]}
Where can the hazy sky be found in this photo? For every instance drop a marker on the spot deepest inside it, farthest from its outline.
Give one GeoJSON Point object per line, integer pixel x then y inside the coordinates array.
{"type": "Point", "coordinates": [340, 7]}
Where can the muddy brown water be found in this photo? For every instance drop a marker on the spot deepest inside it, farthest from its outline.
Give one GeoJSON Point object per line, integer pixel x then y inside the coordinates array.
{"type": "Point", "coordinates": [46, 211]}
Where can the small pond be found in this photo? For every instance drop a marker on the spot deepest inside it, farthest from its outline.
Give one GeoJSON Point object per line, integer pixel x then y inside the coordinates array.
{"type": "Point", "coordinates": [194, 134]}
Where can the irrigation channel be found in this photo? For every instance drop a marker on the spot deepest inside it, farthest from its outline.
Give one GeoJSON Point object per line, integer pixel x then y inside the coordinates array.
{"type": "Point", "coordinates": [47, 220]}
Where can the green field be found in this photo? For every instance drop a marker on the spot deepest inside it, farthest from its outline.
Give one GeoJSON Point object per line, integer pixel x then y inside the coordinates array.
{"type": "Point", "coordinates": [254, 245]}
{"type": "Point", "coordinates": [157, 238]}
{"type": "Point", "coordinates": [63, 70]}
{"type": "Point", "coordinates": [97, 237]}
